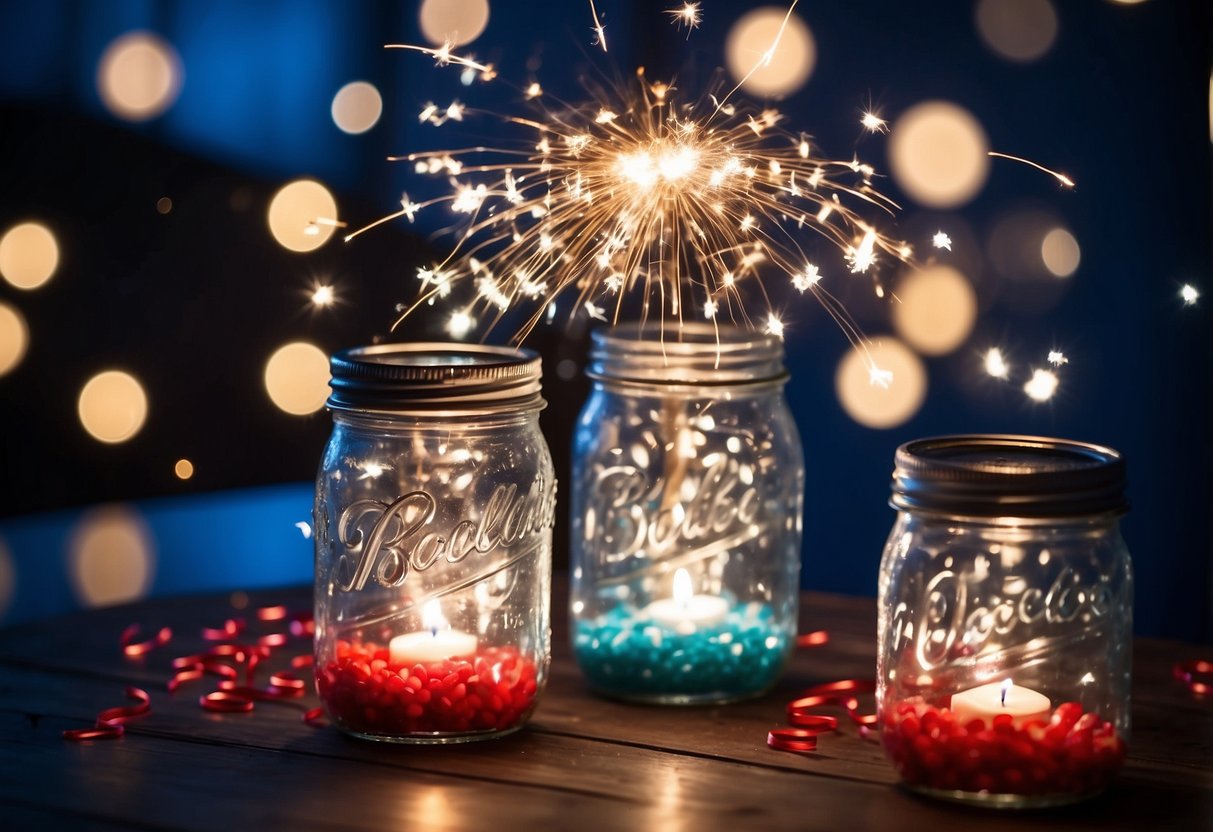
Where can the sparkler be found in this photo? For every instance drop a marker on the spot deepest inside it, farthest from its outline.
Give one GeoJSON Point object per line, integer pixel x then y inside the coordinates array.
{"type": "Point", "coordinates": [641, 197]}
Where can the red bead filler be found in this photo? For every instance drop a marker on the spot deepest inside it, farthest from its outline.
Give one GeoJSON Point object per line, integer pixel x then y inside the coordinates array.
{"type": "Point", "coordinates": [364, 692]}
{"type": "Point", "coordinates": [1072, 753]}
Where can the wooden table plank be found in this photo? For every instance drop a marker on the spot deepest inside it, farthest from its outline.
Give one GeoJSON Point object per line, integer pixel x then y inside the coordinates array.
{"type": "Point", "coordinates": [583, 761]}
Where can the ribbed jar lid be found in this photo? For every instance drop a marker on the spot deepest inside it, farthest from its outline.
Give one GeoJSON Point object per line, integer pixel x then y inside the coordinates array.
{"type": "Point", "coordinates": [1014, 476]}
{"type": "Point", "coordinates": [429, 377]}
{"type": "Point", "coordinates": [687, 353]}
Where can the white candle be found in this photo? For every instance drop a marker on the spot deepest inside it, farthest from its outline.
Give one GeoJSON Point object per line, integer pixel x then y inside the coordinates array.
{"type": "Point", "coordinates": [988, 701]}
{"type": "Point", "coordinates": [433, 644]}
{"type": "Point", "coordinates": [686, 611]}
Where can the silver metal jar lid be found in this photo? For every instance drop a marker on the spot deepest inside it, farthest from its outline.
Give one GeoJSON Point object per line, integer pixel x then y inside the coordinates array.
{"type": "Point", "coordinates": [435, 377]}
{"type": "Point", "coordinates": [1012, 476]}
{"type": "Point", "coordinates": [687, 353]}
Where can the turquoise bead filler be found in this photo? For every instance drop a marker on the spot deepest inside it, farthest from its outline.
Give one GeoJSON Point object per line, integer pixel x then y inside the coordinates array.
{"type": "Point", "coordinates": [627, 654]}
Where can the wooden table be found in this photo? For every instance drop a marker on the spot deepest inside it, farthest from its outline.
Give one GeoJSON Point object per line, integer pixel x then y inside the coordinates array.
{"type": "Point", "coordinates": [583, 763]}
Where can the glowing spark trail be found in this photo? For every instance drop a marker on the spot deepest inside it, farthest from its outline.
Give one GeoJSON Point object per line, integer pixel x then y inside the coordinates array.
{"type": "Point", "coordinates": [1189, 294]}
{"type": "Point", "coordinates": [599, 29]}
{"type": "Point", "coordinates": [1057, 358]}
{"type": "Point", "coordinates": [1060, 177]}
{"type": "Point", "coordinates": [941, 240]}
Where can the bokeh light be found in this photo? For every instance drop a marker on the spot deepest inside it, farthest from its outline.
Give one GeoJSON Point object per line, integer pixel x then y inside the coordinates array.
{"type": "Point", "coordinates": [111, 557]}
{"type": "Point", "coordinates": [1060, 252]}
{"type": "Point", "coordinates": [8, 578]}
{"type": "Point", "coordinates": [303, 215]}
{"type": "Point", "coordinates": [112, 406]}
{"type": "Point", "coordinates": [876, 405]}
{"type": "Point", "coordinates": [184, 469]}
{"type": "Point", "coordinates": [14, 338]}
{"type": "Point", "coordinates": [138, 77]}
{"type": "Point", "coordinates": [1018, 30]}
{"type": "Point", "coordinates": [1016, 252]}
{"type": "Point", "coordinates": [1127, 2]}
{"type": "Point", "coordinates": [29, 255]}
{"type": "Point", "coordinates": [454, 21]}
{"type": "Point", "coordinates": [937, 309]}
{"type": "Point", "coordinates": [791, 62]}
{"type": "Point", "coordinates": [937, 154]}
{"type": "Point", "coordinates": [357, 107]}
{"type": "Point", "coordinates": [297, 378]}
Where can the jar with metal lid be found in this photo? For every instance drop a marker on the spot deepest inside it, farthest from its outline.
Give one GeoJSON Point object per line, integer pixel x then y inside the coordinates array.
{"type": "Point", "coordinates": [433, 529]}
{"type": "Point", "coordinates": [1006, 620]}
{"type": "Point", "coordinates": [688, 486]}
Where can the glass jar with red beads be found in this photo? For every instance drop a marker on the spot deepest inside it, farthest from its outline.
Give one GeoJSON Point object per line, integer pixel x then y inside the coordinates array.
{"type": "Point", "coordinates": [433, 529]}
{"type": "Point", "coordinates": [1005, 620]}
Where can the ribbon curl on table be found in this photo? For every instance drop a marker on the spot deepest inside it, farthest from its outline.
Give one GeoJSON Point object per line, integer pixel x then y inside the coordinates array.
{"type": "Point", "coordinates": [109, 723]}
{"type": "Point", "coordinates": [807, 727]}
{"type": "Point", "coordinates": [1196, 674]}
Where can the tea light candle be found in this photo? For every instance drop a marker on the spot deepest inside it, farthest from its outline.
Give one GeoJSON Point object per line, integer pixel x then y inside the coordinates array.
{"type": "Point", "coordinates": [435, 643]}
{"type": "Point", "coordinates": [687, 611]}
{"type": "Point", "coordinates": [988, 701]}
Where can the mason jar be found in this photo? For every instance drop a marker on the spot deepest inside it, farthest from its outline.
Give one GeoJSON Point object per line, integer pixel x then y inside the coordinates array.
{"type": "Point", "coordinates": [688, 485]}
{"type": "Point", "coordinates": [1006, 620]}
{"type": "Point", "coordinates": [433, 527]}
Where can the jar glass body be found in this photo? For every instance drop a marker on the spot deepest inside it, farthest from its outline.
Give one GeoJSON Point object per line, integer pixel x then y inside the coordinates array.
{"type": "Point", "coordinates": [685, 538]}
{"type": "Point", "coordinates": [433, 574]}
{"type": "Point", "coordinates": [1004, 656]}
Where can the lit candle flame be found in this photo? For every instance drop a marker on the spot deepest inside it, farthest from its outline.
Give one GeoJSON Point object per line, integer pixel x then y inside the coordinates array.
{"type": "Point", "coordinates": [683, 589]}
{"type": "Point", "coordinates": [432, 618]}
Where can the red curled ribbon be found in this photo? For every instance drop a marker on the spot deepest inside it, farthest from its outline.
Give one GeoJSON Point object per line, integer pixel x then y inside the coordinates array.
{"type": "Point", "coordinates": [225, 702]}
{"type": "Point", "coordinates": [134, 649]}
{"type": "Point", "coordinates": [807, 727]}
{"type": "Point", "coordinates": [230, 629]}
{"type": "Point", "coordinates": [842, 692]}
{"type": "Point", "coordinates": [109, 722]}
{"type": "Point", "coordinates": [795, 739]}
{"type": "Point", "coordinates": [813, 639]}
{"type": "Point", "coordinates": [1197, 674]}
{"type": "Point", "coordinates": [303, 625]}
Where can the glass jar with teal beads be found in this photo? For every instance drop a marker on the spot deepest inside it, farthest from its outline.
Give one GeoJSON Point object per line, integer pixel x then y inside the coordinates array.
{"type": "Point", "coordinates": [688, 487]}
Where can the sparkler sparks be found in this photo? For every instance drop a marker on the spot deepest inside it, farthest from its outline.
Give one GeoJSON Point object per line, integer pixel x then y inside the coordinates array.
{"type": "Point", "coordinates": [1189, 294]}
{"type": "Point", "coordinates": [1041, 386]}
{"type": "Point", "coordinates": [874, 123]}
{"type": "Point", "coordinates": [995, 364]}
{"type": "Point", "coordinates": [641, 201]}
{"type": "Point", "coordinates": [323, 296]}
{"type": "Point", "coordinates": [645, 201]}
{"type": "Point", "coordinates": [688, 15]}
